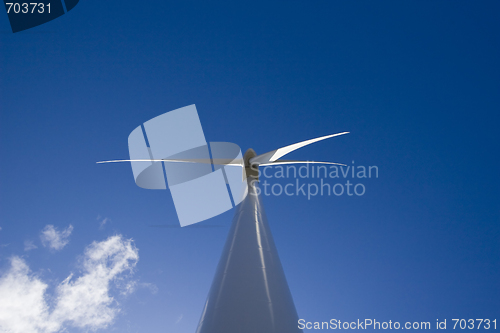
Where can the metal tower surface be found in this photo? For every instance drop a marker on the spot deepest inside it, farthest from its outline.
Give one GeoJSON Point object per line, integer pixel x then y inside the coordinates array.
{"type": "Point", "coordinates": [249, 293]}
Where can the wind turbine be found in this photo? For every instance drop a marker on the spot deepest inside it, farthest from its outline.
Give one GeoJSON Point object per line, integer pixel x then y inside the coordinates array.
{"type": "Point", "coordinates": [249, 293]}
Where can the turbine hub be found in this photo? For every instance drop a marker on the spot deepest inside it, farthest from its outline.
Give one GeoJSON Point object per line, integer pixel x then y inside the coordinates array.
{"type": "Point", "coordinates": [250, 171]}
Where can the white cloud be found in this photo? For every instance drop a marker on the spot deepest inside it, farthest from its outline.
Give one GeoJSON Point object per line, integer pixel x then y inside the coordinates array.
{"type": "Point", "coordinates": [54, 239]}
{"type": "Point", "coordinates": [23, 308]}
{"type": "Point", "coordinates": [84, 302]}
{"type": "Point", "coordinates": [29, 245]}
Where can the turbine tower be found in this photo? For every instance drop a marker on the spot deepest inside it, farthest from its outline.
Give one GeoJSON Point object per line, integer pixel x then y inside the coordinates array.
{"type": "Point", "coordinates": [249, 292]}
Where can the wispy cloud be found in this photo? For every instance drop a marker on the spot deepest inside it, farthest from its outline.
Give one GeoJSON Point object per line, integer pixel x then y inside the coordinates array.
{"type": "Point", "coordinates": [29, 245]}
{"type": "Point", "coordinates": [130, 286]}
{"type": "Point", "coordinates": [84, 302]}
{"type": "Point", "coordinates": [55, 239]}
{"type": "Point", "coordinates": [152, 287]}
{"type": "Point", "coordinates": [102, 221]}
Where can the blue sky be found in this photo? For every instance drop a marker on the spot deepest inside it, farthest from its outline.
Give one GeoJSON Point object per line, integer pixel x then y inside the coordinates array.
{"type": "Point", "coordinates": [416, 84]}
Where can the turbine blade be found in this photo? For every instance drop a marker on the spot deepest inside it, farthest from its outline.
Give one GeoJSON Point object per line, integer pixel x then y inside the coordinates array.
{"type": "Point", "coordinates": [220, 161]}
{"type": "Point", "coordinates": [280, 152]}
{"type": "Point", "coordinates": [298, 162]}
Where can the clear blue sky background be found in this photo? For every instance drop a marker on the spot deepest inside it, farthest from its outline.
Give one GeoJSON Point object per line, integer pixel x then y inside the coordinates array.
{"type": "Point", "coordinates": [416, 83]}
